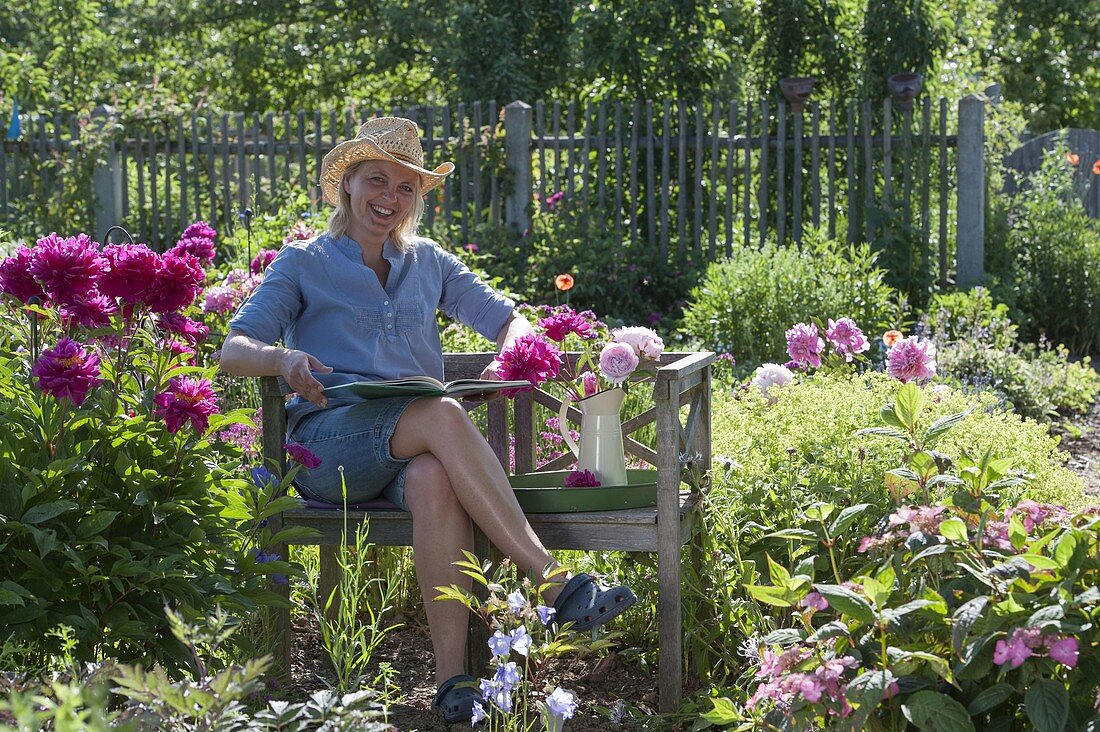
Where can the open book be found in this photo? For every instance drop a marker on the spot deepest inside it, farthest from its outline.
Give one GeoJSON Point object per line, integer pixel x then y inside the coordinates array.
{"type": "Point", "coordinates": [421, 385]}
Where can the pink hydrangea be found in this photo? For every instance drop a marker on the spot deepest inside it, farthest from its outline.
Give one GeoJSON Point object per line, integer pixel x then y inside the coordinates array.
{"type": "Point", "coordinates": [299, 231]}
{"type": "Point", "coordinates": [66, 267]}
{"type": "Point", "coordinates": [1064, 651]}
{"type": "Point", "coordinates": [1032, 514]}
{"type": "Point", "coordinates": [846, 337]}
{"type": "Point", "coordinates": [179, 280]}
{"type": "Point", "coordinates": [132, 271]}
{"type": "Point", "coordinates": [302, 455]}
{"type": "Point", "coordinates": [16, 279]}
{"type": "Point", "coordinates": [912, 358]}
{"type": "Point", "coordinates": [192, 331]}
{"type": "Point", "coordinates": [645, 342]}
{"type": "Point", "coordinates": [67, 371]}
{"type": "Point", "coordinates": [804, 345]}
{"type": "Point", "coordinates": [618, 361]}
{"type": "Point", "coordinates": [186, 400]}
{"type": "Point", "coordinates": [813, 601]}
{"type": "Point", "coordinates": [263, 258]}
{"type": "Point", "coordinates": [565, 321]}
{"type": "Point", "coordinates": [1011, 653]}
{"type": "Point", "coordinates": [530, 357]}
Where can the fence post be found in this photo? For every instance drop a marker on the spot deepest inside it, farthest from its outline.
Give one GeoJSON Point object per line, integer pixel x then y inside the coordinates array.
{"type": "Point", "coordinates": [970, 167]}
{"type": "Point", "coordinates": [517, 156]}
{"type": "Point", "coordinates": [107, 176]}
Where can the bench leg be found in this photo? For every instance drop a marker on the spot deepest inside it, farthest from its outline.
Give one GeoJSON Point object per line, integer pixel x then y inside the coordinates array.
{"type": "Point", "coordinates": [284, 636]}
{"type": "Point", "coordinates": [670, 640]}
{"type": "Point", "coordinates": [328, 581]}
{"type": "Point", "coordinates": [477, 635]}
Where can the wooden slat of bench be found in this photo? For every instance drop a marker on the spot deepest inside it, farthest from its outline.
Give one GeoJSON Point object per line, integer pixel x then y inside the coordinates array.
{"type": "Point", "coordinates": [632, 529]}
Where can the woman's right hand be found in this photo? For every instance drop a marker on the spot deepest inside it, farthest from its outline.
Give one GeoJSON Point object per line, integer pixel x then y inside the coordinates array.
{"type": "Point", "coordinates": [296, 368]}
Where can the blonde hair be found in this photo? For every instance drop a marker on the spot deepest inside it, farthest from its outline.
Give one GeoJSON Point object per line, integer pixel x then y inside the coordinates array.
{"type": "Point", "coordinates": [401, 235]}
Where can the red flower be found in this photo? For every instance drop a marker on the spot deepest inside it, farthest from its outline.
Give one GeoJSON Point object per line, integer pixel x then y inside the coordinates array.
{"type": "Point", "coordinates": [564, 282]}
{"type": "Point", "coordinates": [132, 271]}
{"type": "Point", "coordinates": [530, 357]}
{"type": "Point", "coordinates": [179, 280]}
{"type": "Point", "coordinates": [1096, 167]}
{"type": "Point", "coordinates": [261, 260]}
{"type": "Point", "coordinates": [1073, 158]}
{"type": "Point", "coordinates": [15, 276]}
{"type": "Point", "coordinates": [302, 455]}
{"type": "Point", "coordinates": [192, 331]}
{"type": "Point", "coordinates": [186, 400]}
{"type": "Point", "coordinates": [67, 371]}
{"type": "Point", "coordinates": [66, 267]}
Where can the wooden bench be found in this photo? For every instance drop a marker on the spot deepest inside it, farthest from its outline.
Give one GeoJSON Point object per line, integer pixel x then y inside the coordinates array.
{"type": "Point", "coordinates": [683, 379]}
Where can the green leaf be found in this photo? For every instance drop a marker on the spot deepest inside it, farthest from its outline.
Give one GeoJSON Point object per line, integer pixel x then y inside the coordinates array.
{"type": "Point", "coordinates": [784, 637]}
{"type": "Point", "coordinates": [820, 511]}
{"type": "Point", "coordinates": [846, 518]}
{"type": "Point", "coordinates": [990, 698]}
{"type": "Point", "coordinates": [46, 511]}
{"type": "Point", "coordinates": [1047, 705]}
{"type": "Point", "coordinates": [909, 404]}
{"type": "Point", "coordinates": [778, 596]}
{"type": "Point", "coordinates": [884, 432]}
{"type": "Point", "coordinates": [954, 529]}
{"type": "Point", "coordinates": [932, 711]}
{"type": "Point", "coordinates": [724, 712]}
{"type": "Point", "coordinates": [843, 600]}
{"type": "Point", "coordinates": [95, 523]}
{"type": "Point", "coordinates": [965, 617]}
{"type": "Point", "coordinates": [866, 691]}
{"type": "Point", "coordinates": [1045, 616]}
{"type": "Point", "coordinates": [1017, 534]}
{"type": "Point", "coordinates": [1063, 550]}
{"type": "Point", "coordinates": [13, 594]}
{"type": "Point", "coordinates": [1039, 561]}
{"type": "Point", "coordinates": [777, 573]}
{"type": "Point", "coordinates": [942, 425]}
{"type": "Point", "coordinates": [889, 417]}
{"type": "Point", "coordinates": [796, 534]}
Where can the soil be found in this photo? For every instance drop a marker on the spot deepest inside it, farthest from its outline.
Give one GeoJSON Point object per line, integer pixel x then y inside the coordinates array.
{"type": "Point", "coordinates": [603, 681]}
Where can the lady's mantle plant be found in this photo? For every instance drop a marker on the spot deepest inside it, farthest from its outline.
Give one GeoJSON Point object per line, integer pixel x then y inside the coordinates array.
{"type": "Point", "coordinates": [113, 502]}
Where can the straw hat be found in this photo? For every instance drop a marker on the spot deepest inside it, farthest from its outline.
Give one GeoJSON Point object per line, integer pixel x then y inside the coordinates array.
{"type": "Point", "coordinates": [395, 139]}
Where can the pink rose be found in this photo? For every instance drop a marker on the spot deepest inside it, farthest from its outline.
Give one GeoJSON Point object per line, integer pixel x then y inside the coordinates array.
{"type": "Point", "coordinates": [618, 361]}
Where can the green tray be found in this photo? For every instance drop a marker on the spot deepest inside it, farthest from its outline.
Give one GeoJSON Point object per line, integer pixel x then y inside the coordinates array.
{"type": "Point", "coordinates": [546, 493]}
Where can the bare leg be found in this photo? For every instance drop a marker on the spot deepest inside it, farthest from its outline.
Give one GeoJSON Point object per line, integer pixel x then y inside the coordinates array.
{"type": "Point", "coordinates": [442, 428]}
{"type": "Point", "coordinates": [441, 530]}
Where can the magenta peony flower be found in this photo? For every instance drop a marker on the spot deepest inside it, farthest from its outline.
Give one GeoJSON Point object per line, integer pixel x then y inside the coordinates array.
{"type": "Point", "coordinates": [618, 361]}
{"type": "Point", "coordinates": [804, 345]}
{"type": "Point", "coordinates": [846, 338]}
{"type": "Point", "coordinates": [563, 322]}
{"type": "Point", "coordinates": [179, 280]}
{"type": "Point", "coordinates": [90, 309]}
{"type": "Point", "coordinates": [67, 371]}
{"type": "Point", "coordinates": [581, 479]}
{"type": "Point", "coordinates": [132, 271]}
{"type": "Point", "coordinates": [645, 342]}
{"type": "Point", "coordinates": [186, 399]}
{"type": "Point", "coordinates": [530, 357]}
{"type": "Point", "coordinates": [261, 260]}
{"type": "Point", "coordinates": [912, 358]}
{"type": "Point", "coordinates": [66, 267]}
{"type": "Point", "coordinates": [192, 331]}
{"type": "Point", "coordinates": [198, 247]}
{"type": "Point", "coordinates": [16, 279]}
{"type": "Point", "coordinates": [201, 230]}
{"type": "Point", "coordinates": [302, 455]}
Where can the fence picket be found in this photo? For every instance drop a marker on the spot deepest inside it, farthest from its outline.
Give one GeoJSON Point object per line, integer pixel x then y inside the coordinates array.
{"type": "Point", "coordinates": [943, 192]}
{"type": "Point", "coordinates": [765, 132]}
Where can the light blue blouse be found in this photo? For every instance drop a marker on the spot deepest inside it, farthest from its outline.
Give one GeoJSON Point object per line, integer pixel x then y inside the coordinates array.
{"type": "Point", "coordinates": [317, 296]}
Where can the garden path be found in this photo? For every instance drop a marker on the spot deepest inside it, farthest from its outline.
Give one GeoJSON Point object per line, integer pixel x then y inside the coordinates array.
{"type": "Point", "coordinates": [1085, 450]}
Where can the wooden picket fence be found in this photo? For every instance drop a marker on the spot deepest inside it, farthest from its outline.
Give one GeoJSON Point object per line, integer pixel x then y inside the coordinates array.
{"type": "Point", "coordinates": [683, 178]}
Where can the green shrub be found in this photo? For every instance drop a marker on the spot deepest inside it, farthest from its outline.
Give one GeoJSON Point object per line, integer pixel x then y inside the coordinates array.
{"type": "Point", "coordinates": [745, 304]}
{"type": "Point", "coordinates": [1055, 249]}
{"type": "Point", "coordinates": [978, 349]}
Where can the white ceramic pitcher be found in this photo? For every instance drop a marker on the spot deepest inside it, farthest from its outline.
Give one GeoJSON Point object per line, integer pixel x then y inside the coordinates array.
{"type": "Point", "coordinates": [601, 448]}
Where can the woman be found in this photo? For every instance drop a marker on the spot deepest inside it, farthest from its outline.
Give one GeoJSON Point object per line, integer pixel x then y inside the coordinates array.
{"type": "Point", "coordinates": [357, 303]}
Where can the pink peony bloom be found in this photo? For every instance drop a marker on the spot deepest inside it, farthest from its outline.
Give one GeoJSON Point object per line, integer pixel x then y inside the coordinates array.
{"type": "Point", "coordinates": [618, 361]}
{"type": "Point", "coordinates": [66, 267]}
{"type": "Point", "coordinates": [530, 357]}
{"type": "Point", "coordinates": [132, 270]}
{"type": "Point", "coordinates": [298, 232]}
{"type": "Point", "coordinates": [560, 324]}
{"type": "Point", "coordinates": [220, 300]}
{"type": "Point", "coordinates": [645, 342]}
{"type": "Point", "coordinates": [302, 455]}
{"type": "Point", "coordinates": [804, 346]}
{"type": "Point", "coordinates": [179, 280]}
{"type": "Point", "coordinates": [198, 247]}
{"type": "Point", "coordinates": [200, 230]}
{"type": "Point", "coordinates": [912, 358]}
{"type": "Point", "coordinates": [89, 309]}
{"type": "Point", "coordinates": [846, 338]}
{"type": "Point", "coordinates": [192, 331]}
{"type": "Point", "coordinates": [771, 374]}
{"type": "Point", "coordinates": [67, 371]}
{"type": "Point", "coordinates": [186, 399]}
{"type": "Point", "coordinates": [581, 479]}
{"type": "Point", "coordinates": [590, 383]}
{"type": "Point", "coordinates": [263, 258]}
{"type": "Point", "coordinates": [16, 279]}
{"type": "Point", "coordinates": [1064, 651]}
